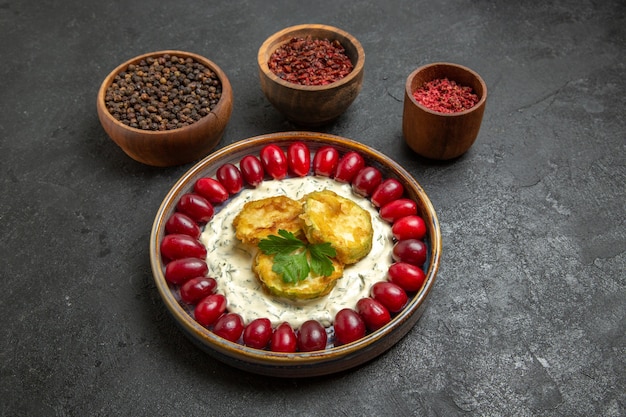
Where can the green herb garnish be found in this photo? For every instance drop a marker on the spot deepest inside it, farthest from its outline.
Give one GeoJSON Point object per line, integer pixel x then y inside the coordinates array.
{"type": "Point", "coordinates": [295, 259]}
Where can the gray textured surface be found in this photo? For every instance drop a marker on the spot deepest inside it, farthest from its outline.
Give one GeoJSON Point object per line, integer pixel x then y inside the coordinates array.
{"type": "Point", "coordinates": [528, 314]}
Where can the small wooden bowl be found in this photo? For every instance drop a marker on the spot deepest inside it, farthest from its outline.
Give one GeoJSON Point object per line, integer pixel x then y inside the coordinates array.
{"type": "Point", "coordinates": [442, 136]}
{"type": "Point", "coordinates": [311, 105]}
{"type": "Point", "coordinates": [175, 146]}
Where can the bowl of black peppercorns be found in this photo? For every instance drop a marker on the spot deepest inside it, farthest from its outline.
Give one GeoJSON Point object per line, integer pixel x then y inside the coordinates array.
{"type": "Point", "coordinates": [165, 108]}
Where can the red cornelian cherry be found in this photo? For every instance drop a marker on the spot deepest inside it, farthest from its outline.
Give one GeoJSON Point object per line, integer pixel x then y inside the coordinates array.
{"type": "Point", "coordinates": [412, 251]}
{"type": "Point", "coordinates": [229, 326]}
{"type": "Point", "coordinates": [389, 190]}
{"type": "Point", "coordinates": [389, 295]}
{"type": "Point", "coordinates": [374, 314]}
{"type": "Point", "coordinates": [196, 207]}
{"type": "Point", "coordinates": [325, 161]}
{"type": "Point", "coordinates": [395, 210]}
{"type": "Point", "coordinates": [258, 333]}
{"type": "Point", "coordinates": [349, 165]}
{"type": "Point", "coordinates": [251, 170]}
{"type": "Point", "coordinates": [408, 277]}
{"type": "Point", "coordinates": [177, 246]}
{"type": "Point", "coordinates": [230, 177]}
{"type": "Point", "coordinates": [409, 227]}
{"type": "Point", "coordinates": [274, 161]}
{"type": "Point", "coordinates": [349, 326]}
{"type": "Point", "coordinates": [196, 289]}
{"type": "Point", "coordinates": [311, 336]}
{"type": "Point", "coordinates": [179, 223]}
{"type": "Point", "coordinates": [299, 159]}
{"type": "Point", "coordinates": [283, 339]}
{"type": "Point", "coordinates": [181, 270]}
{"type": "Point", "coordinates": [366, 181]}
{"type": "Point", "coordinates": [209, 309]}
{"type": "Point", "coordinates": [211, 189]}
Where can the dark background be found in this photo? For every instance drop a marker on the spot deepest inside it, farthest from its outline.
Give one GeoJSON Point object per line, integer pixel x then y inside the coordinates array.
{"type": "Point", "coordinates": [528, 313]}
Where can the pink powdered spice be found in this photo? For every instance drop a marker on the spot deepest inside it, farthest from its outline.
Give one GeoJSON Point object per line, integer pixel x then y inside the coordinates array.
{"type": "Point", "coordinates": [445, 96]}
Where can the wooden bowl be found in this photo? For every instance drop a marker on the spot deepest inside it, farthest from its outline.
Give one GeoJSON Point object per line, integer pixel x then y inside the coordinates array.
{"type": "Point", "coordinates": [169, 147]}
{"type": "Point", "coordinates": [311, 105]}
{"type": "Point", "coordinates": [442, 136]}
{"type": "Point", "coordinates": [298, 364]}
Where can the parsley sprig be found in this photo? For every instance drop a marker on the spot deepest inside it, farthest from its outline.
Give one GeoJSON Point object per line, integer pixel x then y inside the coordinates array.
{"type": "Point", "coordinates": [295, 259]}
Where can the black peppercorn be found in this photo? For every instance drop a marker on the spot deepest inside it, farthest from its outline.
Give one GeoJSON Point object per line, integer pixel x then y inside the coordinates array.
{"type": "Point", "coordinates": [148, 95]}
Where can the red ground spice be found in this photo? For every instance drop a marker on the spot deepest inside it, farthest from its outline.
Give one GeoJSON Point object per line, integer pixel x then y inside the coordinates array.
{"type": "Point", "coordinates": [445, 96]}
{"type": "Point", "coordinates": [308, 61]}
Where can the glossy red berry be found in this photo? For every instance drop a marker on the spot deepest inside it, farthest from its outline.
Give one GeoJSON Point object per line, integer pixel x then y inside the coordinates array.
{"type": "Point", "coordinates": [177, 246]}
{"type": "Point", "coordinates": [283, 339]}
{"type": "Point", "coordinates": [412, 251]}
{"type": "Point", "coordinates": [209, 309]}
{"type": "Point", "coordinates": [374, 314]}
{"type": "Point", "coordinates": [230, 177]}
{"type": "Point", "coordinates": [389, 190]}
{"type": "Point", "coordinates": [349, 165]}
{"type": "Point", "coordinates": [229, 326]}
{"type": "Point", "coordinates": [196, 289]}
{"type": "Point", "coordinates": [211, 189]}
{"type": "Point", "coordinates": [299, 159]}
{"type": "Point", "coordinates": [251, 170]}
{"type": "Point", "coordinates": [407, 276]}
{"type": "Point", "coordinates": [366, 181]}
{"type": "Point", "coordinates": [311, 336]}
{"type": "Point", "coordinates": [179, 223]}
{"type": "Point", "coordinates": [349, 326]}
{"type": "Point", "coordinates": [397, 209]}
{"type": "Point", "coordinates": [196, 207]}
{"type": "Point", "coordinates": [325, 161]}
{"type": "Point", "coordinates": [389, 295]}
{"type": "Point", "coordinates": [181, 270]}
{"type": "Point", "coordinates": [274, 161]}
{"type": "Point", "coordinates": [258, 333]}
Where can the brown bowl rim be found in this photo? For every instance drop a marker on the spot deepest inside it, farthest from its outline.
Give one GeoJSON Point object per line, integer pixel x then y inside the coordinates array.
{"type": "Point", "coordinates": [412, 75]}
{"type": "Point", "coordinates": [298, 364]}
{"type": "Point", "coordinates": [108, 80]}
{"type": "Point", "coordinates": [356, 70]}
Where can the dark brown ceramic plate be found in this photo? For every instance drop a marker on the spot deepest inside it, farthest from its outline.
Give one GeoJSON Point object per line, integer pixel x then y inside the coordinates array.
{"type": "Point", "coordinates": [298, 364]}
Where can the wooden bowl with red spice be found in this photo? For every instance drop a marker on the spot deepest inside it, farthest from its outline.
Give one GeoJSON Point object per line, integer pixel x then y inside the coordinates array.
{"type": "Point", "coordinates": [443, 110]}
{"type": "Point", "coordinates": [165, 108]}
{"type": "Point", "coordinates": [311, 73]}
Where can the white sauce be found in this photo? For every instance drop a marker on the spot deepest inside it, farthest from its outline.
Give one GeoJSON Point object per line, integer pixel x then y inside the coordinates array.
{"type": "Point", "coordinates": [230, 262]}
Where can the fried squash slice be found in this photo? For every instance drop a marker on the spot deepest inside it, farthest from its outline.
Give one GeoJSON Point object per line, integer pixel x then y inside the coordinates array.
{"type": "Point", "coordinates": [309, 288]}
{"type": "Point", "coordinates": [328, 217]}
{"type": "Point", "coordinates": [260, 218]}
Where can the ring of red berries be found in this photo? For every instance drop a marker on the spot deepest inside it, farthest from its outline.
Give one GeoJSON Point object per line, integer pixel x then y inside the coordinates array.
{"type": "Point", "coordinates": [184, 256]}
